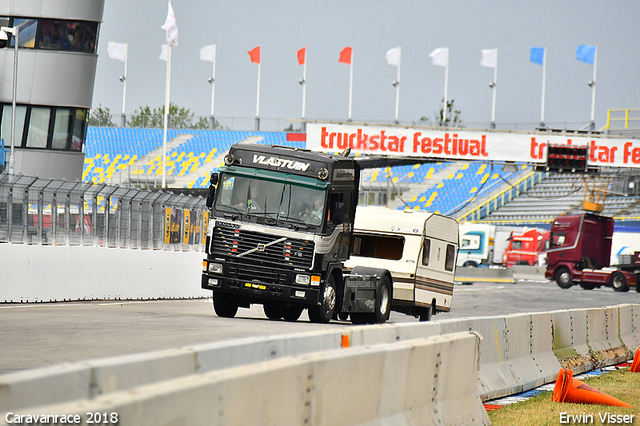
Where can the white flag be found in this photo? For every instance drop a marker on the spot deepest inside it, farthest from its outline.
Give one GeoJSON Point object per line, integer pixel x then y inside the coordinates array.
{"type": "Point", "coordinates": [163, 53]}
{"type": "Point", "coordinates": [171, 28]}
{"type": "Point", "coordinates": [117, 51]}
{"type": "Point", "coordinates": [440, 56]}
{"type": "Point", "coordinates": [208, 53]}
{"type": "Point", "coordinates": [393, 56]}
{"type": "Point", "coordinates": [489, 58]}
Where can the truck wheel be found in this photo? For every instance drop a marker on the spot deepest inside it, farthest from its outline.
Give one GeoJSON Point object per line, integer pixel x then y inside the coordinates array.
{"type": "Point", "coordinates": [588, 286]}
{"type": "Point", "coordinates": [273, 310]}
{"type": "Point", "coordinates": [292, 313]}
{"type": "Point", "coordinates": [360, 318]}
{"type": "Point", "coordinates": [383, 300]}
{"type": "Point", "coordinates": [469, 264]}
{"type": "Point", "coordinates": [637, 283]}
{"type": "Point", "coordinates": [619, 282]}
{"type": "Point", "coordinates": [225, 305]}
{"type": "Point", "coordinates": [563, 277]}
{"type": "Point", "coordinates": [425, 314]}
{"type": "Point", "coordinates": [323, 312]}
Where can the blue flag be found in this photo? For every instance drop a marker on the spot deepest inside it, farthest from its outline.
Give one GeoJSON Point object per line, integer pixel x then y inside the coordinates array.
{"type": "Point", "coordinates": [537, 55]}
{"type": "Point", "coordinates": [586, 54]}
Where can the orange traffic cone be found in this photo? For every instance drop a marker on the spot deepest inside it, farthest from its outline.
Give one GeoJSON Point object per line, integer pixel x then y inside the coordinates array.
{"type": "Point", "coordinates": [568, 389]}
{"type": "Point", "coordinates": [635, 366]}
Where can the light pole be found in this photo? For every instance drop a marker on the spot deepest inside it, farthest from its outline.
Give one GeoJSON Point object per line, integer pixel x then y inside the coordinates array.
{"type": "Point", "coordinates": [3, 36]}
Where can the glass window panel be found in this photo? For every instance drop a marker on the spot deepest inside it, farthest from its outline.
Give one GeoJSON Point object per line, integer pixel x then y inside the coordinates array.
{"type": "Point", "coordinates": [27, 33]}
{"type": "Point", "coordinates": [79, 130]}
{"type": "Point", "coordinates": [61, 127]}
{"type": "Point", "coordinates": [21, 112]}
{"type": "Point", "coordinates": [52, 34]}
{"type": "Point", "coordinates": [38, 127]}
{"type": "Point", "coordinates": [81, 36]}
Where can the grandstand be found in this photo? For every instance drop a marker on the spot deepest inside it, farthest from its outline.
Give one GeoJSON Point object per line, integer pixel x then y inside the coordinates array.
{"type": "Point", "coordinates": [469, 191]}
{"type": "Point", "coordinates": [134, 156]}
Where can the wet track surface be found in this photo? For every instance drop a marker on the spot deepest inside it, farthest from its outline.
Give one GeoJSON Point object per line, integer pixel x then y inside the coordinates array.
{"type": "Point", "coordinates": [36, 335]}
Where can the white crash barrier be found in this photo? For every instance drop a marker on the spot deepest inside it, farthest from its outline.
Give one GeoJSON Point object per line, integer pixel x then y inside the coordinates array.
{"type": "Point", "coordinates": [32, 273]}
{"type": "Point", "coordinates": [630, 326]}
{"type": "Point", "coordinates": [603, 335]}
{"type": "Point", "coordinates": [517, 353]}
{"type": "Point", "coordinates": [415, 382]}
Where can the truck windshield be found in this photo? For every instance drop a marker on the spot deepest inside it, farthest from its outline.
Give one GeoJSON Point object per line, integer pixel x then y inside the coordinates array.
{"type": "Point", "coordinates": [276, 200]}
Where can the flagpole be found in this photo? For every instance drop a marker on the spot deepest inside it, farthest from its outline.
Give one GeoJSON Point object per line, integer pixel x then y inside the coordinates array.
{"type": "Point", "coordinates": [495, 80]}
{"type": "Point", "coordinates": [350, 84]}
{"type": "Point", "coordinates": [446, 88]}
{"type": "Point", "coordinates": [304, 84]}
{"type": "Point", "coordinates": [258, 97]}
{"type": "Point", "coordinates": [544, 85]}
{"type": "Point", "coordinates": [213, 86]}
{"type": "Point", "coordinates": [398, 85]}
{"type": "Point", "coordinates": [592, 125]}
{"type": "Point", "coordinates": [167, 91]}
{"type": "Point", "coordinates": [124, 88]}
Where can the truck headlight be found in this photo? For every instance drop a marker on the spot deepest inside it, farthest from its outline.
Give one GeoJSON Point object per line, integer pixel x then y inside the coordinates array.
{"type": "Point", "coordinates": [216, 268]}
{"type": "Point", "coordinates": [303, 279]}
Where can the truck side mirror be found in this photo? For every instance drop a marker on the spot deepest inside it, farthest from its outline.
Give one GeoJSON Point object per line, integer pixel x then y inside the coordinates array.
{"type": "Point", "coordinates": [212, 189]}
{"type": "Point", "coordinates": [213, 179]}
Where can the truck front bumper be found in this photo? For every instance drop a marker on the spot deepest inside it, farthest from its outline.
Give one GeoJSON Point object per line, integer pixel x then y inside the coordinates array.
{"type": "Point", "coordinates": [258, 291]}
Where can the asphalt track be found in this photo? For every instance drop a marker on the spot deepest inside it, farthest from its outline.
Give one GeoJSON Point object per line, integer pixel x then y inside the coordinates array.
{"type": "Point", "coordinates": [36, 335]}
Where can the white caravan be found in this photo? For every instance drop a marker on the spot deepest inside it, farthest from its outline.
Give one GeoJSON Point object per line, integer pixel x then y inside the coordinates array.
{"type": "Point", "coordinates": [418, 248]}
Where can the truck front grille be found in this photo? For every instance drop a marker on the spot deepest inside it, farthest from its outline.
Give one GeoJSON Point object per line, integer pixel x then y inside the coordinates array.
{"type": "Point", "coordinates": [254, 248]}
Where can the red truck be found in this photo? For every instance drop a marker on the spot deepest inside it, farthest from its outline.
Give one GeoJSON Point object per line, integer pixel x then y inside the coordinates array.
{"type": "Point", "coordinates": [580, 252]}
{"type": "Point", "coordinates": [526, 249]}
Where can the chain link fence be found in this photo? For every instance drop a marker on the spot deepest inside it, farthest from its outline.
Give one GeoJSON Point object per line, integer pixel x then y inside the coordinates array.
{"type": "Point", "coordinates": [57, 212]}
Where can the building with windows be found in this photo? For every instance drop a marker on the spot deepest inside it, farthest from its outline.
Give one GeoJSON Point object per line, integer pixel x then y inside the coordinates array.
{"type": "Point", "coordinates": [57, 58]}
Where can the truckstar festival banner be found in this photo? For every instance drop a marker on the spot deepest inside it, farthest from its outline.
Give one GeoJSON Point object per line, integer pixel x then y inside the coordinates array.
{"type": "Point", "coordinates": [456, 144]}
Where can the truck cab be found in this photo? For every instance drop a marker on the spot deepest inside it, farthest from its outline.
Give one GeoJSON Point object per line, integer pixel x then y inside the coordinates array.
{"type": "Point", "coordinates": [580, 253]}
{"type": "Point", "coordinates": [527, 248]}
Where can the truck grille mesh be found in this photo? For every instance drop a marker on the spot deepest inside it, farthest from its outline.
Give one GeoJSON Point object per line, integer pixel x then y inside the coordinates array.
{"type": "Point", "coordinates": [289, 253]}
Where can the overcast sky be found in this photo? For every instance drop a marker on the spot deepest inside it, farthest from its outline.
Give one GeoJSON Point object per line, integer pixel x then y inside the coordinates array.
{"type": "Point", "coordinates": [372, 27]}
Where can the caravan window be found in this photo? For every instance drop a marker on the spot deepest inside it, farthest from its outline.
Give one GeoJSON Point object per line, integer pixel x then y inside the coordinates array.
{"type": "Point", "coordinates": [378, 246]}
{"type": "Point", "coordinates": [450, 260]}
{"type": "Point", "coordinates": [426, 251]}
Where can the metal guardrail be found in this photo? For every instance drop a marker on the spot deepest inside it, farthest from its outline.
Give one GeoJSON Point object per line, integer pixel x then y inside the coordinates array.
{"type": "Point", "coordinates": [618, 119]}
{"type": "Point", "coordinates": [47, 211]}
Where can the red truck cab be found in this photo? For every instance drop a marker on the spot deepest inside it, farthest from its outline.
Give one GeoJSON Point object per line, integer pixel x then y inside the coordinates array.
{"type": "Point", "coordinates": [526, 249]}
{"type": "Point", "coordinates": [580, 247]}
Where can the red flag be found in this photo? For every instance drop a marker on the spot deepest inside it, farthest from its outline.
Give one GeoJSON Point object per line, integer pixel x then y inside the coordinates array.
{"type": "Point", "coordinates": [254, 54]}
{"type": "Point", "coordinates": [302, 54]}
{"type": "Point", "coordinates": [345, 55]}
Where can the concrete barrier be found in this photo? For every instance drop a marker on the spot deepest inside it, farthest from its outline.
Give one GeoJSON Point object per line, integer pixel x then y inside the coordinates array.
{"type": "Point", "coordinates": [603, 336]}
{"type": "Point", "coordinates": [630, 326]}
{"type": "Point", "coordinates": [372, 385]}
{"type": "Point", "coordinates": [517, 353]}
{"type": "Point", "coordinates": [471, 275]}
{"type": "Point", "coordinates": [32, 273]}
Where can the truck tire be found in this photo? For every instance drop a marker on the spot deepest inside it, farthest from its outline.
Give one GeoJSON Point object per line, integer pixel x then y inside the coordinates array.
{"type": "Point", "coordinates": [619, 282]}
{"type": "Point", "coordinates": [225, 305]}
{"type": "Point", "coordinates": [323, 312]}
{"type": "Point", "coordinates": [637, 283]}
{"type": "Point", "coordinates": [588, 286]}
{"type": "Point", "coordinates": [292, 313]}
{"type": "Point", "coordinates": [563, 277]}
{"type": "Point", "coordinates": [273, 310]}
{"type": "Point", "coordinates": [425, 314]}
{"type": "Point", "coordinates": [384, 297]}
